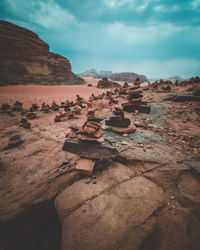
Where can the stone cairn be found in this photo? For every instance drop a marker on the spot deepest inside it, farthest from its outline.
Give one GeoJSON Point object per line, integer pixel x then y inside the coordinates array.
{"type": "Point", "coordinates": [15, 140]}
{"type": "Point", "coordinates": [87, 142]}
{"type": "Point", "coordinates": [45, 107]}
{"type": "Point", "coordinates": [34, 107]}
{"type": "Point", "coordinates": [119, 123]}
{"type": "Point", "coordinates": [54, 106]}
{"type": "Point", "coordinates": [18, 106]}
{"type": "Point", "coordinates": [24, 123]}
{"type": "Point", "coordinates": [134, 97]}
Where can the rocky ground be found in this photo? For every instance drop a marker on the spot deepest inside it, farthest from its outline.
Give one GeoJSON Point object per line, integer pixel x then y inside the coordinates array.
{"type": "Point", "coordinates": [146, 198]}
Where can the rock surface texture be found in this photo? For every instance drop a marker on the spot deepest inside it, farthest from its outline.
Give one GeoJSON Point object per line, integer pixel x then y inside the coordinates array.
{"type": "Point", "coordinates": [26, 59]}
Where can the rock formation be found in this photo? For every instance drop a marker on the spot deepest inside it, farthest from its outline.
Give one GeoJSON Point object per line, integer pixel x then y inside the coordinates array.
{"type": "Point", "coordinates": [26, 59]}
{"type": "Point", "coordinates": [129, 77]}
{"type": "Point", "coordinates": [105, 83]}
{"type": "Point", "coordinates": [135, 99]}
{"type": "Point", "coordinates": [119, 123]}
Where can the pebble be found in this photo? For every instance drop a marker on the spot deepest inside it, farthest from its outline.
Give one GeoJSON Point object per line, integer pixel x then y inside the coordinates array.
{"type": "Point", "coordinates": [124, 143]}
{"type": "Point", "coordinates": [125, 135]}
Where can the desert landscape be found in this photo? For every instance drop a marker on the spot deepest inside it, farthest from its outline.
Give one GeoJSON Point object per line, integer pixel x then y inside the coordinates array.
{"type": "Point", "coordinates": [99, 160]}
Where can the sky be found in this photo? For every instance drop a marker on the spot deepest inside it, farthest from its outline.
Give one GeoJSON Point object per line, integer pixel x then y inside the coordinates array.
{"type": "Point", "coordinates": [157, 38]}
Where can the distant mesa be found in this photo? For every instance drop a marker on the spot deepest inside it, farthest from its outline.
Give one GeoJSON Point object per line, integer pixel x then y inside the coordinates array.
{"type": "Point", "coordinates": [26, 59]}
{"type": "Point", "coordinates": [173, 79]}
{"type": "Point", "coordinates": [128, 77]}
{"type": "Point", "coordinates": [94, 74]}
{"type": "Point", "coordinates": [123, 77]}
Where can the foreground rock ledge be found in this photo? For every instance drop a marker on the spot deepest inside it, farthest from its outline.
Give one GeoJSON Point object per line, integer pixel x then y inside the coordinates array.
{"type": "Point", "coordinates": [90, 150]}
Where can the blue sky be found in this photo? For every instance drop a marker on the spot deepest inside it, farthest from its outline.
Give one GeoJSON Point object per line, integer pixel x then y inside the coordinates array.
{"type": "Point", "coordinates": [158, 38]}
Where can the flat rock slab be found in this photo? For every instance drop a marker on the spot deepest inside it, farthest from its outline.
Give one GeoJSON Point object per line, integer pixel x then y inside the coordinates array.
{"type": "Point", "coordinates": [103, 222]}
{"type": "Point", "coordinates": [90, 150]}
{"type": "Point", "coordinates": [141, 109]}
{"type": "Point", "coordinates": [123, 123]}
{"type": "Point", "coordinates": [85, 166]}
{"type": "Point", "coordinates": [130, 129]}
{"type": "Point", "coordinates": [82, 191]}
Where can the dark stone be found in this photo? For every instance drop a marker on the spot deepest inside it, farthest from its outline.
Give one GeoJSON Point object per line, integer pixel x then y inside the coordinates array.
{"type": "Point", "coordinates": [95, 119]}
{"type": "Point", "coordinates": [118, 113]}
{"type": "Point", "coordinates": [141, 109]}
{"type": "Point", "coordinates": [90, 150]}
{"type": "Point", "coordinates": [135, 96]}
{"type": "Point", "coordinates": [124, 123]}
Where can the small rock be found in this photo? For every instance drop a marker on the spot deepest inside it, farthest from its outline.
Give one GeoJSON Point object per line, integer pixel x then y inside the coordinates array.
{"type": "Point", "coordinates": [124, 143]}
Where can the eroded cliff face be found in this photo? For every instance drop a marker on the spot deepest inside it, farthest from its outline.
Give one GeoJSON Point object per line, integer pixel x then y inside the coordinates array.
{"type": "Point", "coordinates": [26, 59]}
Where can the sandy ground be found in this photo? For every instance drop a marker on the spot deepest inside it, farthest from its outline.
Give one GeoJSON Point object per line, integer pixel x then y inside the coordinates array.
{"type": "Point", "coordinates": [28, 94]}
{"type": "Point", "coordinates": [35, 172]}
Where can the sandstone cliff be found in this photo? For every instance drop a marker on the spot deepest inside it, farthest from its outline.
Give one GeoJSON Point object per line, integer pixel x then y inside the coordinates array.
{"type": "Point", "coordinates": [26, 59]}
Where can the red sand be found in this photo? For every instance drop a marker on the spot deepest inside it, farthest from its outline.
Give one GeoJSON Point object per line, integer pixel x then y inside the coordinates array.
{"type": "Point", "coordinates": [29, 94]}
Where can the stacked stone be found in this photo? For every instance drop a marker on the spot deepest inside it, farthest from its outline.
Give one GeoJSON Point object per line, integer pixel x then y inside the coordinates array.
{"type": "Point", "coordinates": [135, 95]}
{"type": "Point", "coordinates": [24, 123]}
{"type": "Point", "coordinates": [31, 115]}
{"type": "Point", "coordinates": [54, 106]}
{"type": "Point", "coordinates": [15, 140]}
{"type": "Point", "coordinates": [5, 108]}
{"type": "Point", "coordinates": [123, 89]}
{"type": "Point", "coordinates": [119, 123]}
{"type": "Point", "coordinates": [91, 128]}
{"type": "Point", "coordinates": [18, 106]}
{"type": "Point", "coordinates": [45, 107]}
{"type": "Point", "coordinates": [34, 107]}
{"type": "Point", "coordinates": [64, 116]}
{"type": "Point", "coordinates": [86, 142]}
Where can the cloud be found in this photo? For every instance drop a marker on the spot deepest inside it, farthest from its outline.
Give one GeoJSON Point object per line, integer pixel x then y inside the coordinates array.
{"type": "Point", "coordinates": [131, 35]}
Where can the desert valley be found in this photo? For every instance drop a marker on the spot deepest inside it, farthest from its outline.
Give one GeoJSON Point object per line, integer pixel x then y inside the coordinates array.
{"type": "Point", "coordinates": [99, 160]}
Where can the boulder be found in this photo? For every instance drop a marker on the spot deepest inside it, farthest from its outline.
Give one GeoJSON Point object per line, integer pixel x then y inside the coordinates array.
{"type": "Point", "coordinates": [90, 150]}
{"type": "Point", "coordinates": [105, 83]}
{"type": "Point", "coordinates": [123, 123]}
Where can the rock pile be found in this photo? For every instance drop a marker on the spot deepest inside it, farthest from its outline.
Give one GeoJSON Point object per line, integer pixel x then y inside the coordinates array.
{"type": "Point", "coordinates": [135, 100]}
{"type": "Point", "coordinates": [54, 106]}
{"type": "Point", "coordinates": [24, 123]}
{"type": "Point", "coordinates": [31, 115]}
{"type": "Point", "coordinates": [64, 116]}
{"type": "Point", "coordinates": [5, 107]}
{"type": "Point", "coordinates": [34, 107]}
{"type": "Point", "coordinates": [45, 107]}
{"type": "Point", "coordinates": [105, 83]}
{"type": "Point", "coordinates": [15, 140]}
{"type": "Point", "coordinates": [119, 123]}
{"type": "Point", "coordinates": [87, 142]}
{"type": "Point", "coordinates": [90, 130]}
{"type": "Point", "coordinates": [18, 106]}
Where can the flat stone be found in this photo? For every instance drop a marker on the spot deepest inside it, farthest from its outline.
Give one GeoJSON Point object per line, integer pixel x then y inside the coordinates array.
{"type": "Point", "coordinates": [85, 166]}
{"type": "Point", "coordinates": [134, 96]}
{"type": "Point", "coordinates": [135, 99]}
{"type": "Point", "coordinates": [124, 123]}
{"type": "Point", "coordinates": [189, 188]}
{"type": "Point", "coordinates": [131, 128]}
{"type": "Point", "coordinates": [104, 222]}
{"type": "Point", "coordinates": [80, 192]}
{"type": "Point", "coordinates": [82, 137]}
{"type": "Point", "coordinates": [90, 150]}
{"type": "Point", "coordinates": [134, 92]}
{"type": "Point", "coordinates": [141, 109]}
{"type": "Point", "coordinates": [127, 104]}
